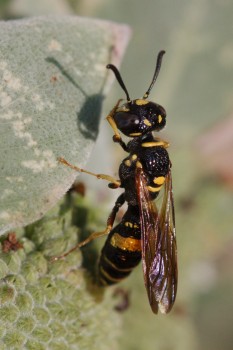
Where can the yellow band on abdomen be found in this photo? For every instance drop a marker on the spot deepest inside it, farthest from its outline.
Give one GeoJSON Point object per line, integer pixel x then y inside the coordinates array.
{"type": "Point", "coordinates": [125, 243]}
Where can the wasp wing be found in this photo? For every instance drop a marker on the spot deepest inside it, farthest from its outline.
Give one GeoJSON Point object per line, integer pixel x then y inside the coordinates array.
{"type": "Point", "coordinates": [159, 253]}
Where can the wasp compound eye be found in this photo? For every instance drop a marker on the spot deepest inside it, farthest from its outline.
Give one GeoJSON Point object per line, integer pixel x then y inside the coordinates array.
{"type": "Point", "coordinates": [127, 123]}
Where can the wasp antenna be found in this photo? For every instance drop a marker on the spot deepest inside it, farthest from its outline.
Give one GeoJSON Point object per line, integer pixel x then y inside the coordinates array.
{"type": "Point", "coordinates": [156, 73]}
{"type": "Point", "coordinates": [119, 79]}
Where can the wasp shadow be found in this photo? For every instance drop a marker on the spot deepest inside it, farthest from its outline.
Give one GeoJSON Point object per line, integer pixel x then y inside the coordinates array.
{"type": "Point", "coordinates": [88, 117]}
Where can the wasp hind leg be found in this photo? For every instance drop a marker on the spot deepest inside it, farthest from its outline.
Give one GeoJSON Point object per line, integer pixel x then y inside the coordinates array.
{"type": "Point", "coordinates": [119, 202]}
{"type": "Point", "coordinates": [115, 183]}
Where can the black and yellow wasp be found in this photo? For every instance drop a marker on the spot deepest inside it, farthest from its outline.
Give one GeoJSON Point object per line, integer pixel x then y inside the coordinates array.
{"type": "Point", "coordinates": [144, 232]}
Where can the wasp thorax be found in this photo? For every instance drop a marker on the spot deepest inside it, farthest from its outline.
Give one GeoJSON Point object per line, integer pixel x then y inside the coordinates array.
{"type": "Point", "coordinates": [139, 116]}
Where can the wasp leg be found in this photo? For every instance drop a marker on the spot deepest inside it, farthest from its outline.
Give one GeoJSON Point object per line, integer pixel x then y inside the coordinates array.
{"type": "Point", "coordinates": [121, 143]}
{"type": "Point", "coordinates": [116, 137]}
{"type": "Point", "coordinates": [108, 178]}
{"type": "Point", "coordinates": [112, 121]}
{"type": "Point", "coordinates": [119, 202]}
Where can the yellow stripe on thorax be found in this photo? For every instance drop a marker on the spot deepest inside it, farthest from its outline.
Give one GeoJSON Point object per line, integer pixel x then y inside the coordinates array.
{"type": "Point", "coordinates": [154, 189]}
{"type": "Point", "coordinates": [131, 225]}
{"type": "Point", "coordinates": [159, 180]}
{"type": "Point", "coordinates": [164, 144]}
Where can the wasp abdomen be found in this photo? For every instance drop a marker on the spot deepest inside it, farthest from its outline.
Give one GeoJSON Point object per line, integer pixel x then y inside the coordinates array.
{"type": "Point", "coordinates": [122, 250]}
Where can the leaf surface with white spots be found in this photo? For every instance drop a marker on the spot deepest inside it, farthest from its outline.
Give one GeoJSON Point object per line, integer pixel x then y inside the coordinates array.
{"type": "Point", "coordinates": [52, 85]}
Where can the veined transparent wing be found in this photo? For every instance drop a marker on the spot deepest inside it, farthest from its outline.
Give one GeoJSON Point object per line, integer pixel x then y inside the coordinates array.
{"type": "Point", "coordinates": [159, 252]}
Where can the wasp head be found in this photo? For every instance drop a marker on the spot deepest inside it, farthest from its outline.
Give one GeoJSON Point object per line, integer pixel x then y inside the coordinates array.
{"type": "Point", "coordinates": [138, 117]}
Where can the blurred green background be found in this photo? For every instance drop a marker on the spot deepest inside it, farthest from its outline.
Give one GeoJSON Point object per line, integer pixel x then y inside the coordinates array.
{"type": "Point", "coordinates": [195, 87]}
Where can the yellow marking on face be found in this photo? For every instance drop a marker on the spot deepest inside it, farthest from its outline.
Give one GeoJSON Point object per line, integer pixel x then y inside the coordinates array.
{"type": "Point", "coordinates": [138, 164]}
{"type": "Point", "coordinates": [135, 226]}
{"type": "Point", "coordinates": [116, 267]}
{"type": "Point", "coordinates": [127, 162]}
{"type": "Point", "coordinates": [110, 278]}
{"type": "Point", "coordinates": [154, 189]}
{"type": "Point", "coordinates": [160, 118]}
{"type": "Point", "coordinates": [147, 122]}
{"type": "Point", "coordinates": [164, 144]}
{"type": "Point", "coordinates": [134, 157]}
{"type": "Point", "coordinates": [123, 243]}
{"type": "Point", "coordinates": [159, 180]}
{"type": "Point", "coordinates": [135, 134]}
{"type": "Point", "coordinates": [140, 102]}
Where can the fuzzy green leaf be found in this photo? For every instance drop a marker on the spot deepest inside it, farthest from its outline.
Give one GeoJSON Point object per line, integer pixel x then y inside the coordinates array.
{"type": "Point", "coordinates": [52, 84]}
{"type": "Point", "coordinates": [48, 304]}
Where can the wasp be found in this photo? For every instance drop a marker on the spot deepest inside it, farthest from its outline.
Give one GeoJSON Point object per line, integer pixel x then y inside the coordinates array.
{"type": "Point", "coordinates": [144, 232]}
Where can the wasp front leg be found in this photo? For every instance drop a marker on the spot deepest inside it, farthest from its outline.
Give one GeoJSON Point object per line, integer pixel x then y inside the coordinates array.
{"type": "Point", "coordinates": [110, 118]}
